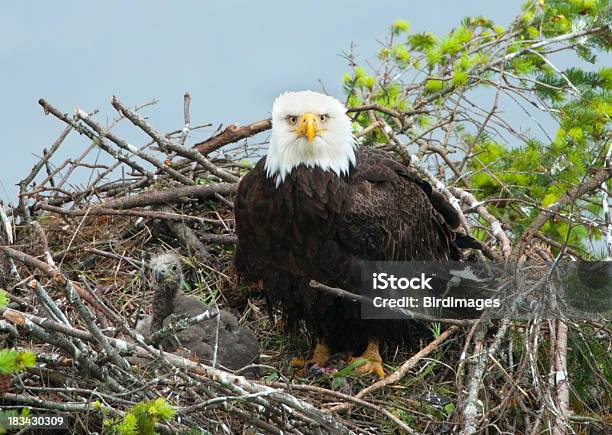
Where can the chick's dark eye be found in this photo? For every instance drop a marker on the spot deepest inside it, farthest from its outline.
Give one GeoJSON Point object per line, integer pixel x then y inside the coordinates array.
{"type": "Point", "coordinates": [292, 119]}
{"type": "Point", "coordinates": [173, 267]}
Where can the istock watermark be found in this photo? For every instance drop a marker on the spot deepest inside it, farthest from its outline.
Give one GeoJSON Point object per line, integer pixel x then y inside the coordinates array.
{"type": "Point", "coordinates": [384, 281]}
{"type": "Point", "coordinates": [469, 290]}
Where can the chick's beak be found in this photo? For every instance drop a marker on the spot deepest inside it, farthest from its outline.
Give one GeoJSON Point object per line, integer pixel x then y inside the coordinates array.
{"type": "Point", "coordinates": [307, 126]}
{"type": "Point", "coordinates": [159, 275]}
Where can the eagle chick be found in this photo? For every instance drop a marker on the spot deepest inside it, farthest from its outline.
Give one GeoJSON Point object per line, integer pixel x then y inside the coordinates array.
{"type": "Point", "coordinates": [237, 345]}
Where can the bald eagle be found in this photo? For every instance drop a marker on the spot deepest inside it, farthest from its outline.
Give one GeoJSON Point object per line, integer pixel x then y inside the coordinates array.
{"type": "Point", "coordinates": [315, 207]}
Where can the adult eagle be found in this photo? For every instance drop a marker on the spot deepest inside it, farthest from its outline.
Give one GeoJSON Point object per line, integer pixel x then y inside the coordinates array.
{"type": "Point", "coordinates": [315, 207]}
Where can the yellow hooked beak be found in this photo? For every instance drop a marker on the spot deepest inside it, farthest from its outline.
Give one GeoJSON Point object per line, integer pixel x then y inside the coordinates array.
{"type": "Point", "coordinates": [307, 126]}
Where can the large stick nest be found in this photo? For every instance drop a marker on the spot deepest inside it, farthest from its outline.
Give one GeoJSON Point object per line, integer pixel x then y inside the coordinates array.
{"type": "Point", "coordinates": [74, 268]}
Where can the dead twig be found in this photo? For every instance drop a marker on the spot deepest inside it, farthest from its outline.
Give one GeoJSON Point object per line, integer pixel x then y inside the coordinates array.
{"type": "Point", "coordinates": [403, 370]}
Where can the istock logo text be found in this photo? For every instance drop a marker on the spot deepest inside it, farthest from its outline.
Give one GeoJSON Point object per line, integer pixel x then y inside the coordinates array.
{"type": "Point", "coordinates": [384, 281]}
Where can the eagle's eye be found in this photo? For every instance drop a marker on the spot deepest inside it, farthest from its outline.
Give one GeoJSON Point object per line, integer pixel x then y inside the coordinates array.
{"type": "Point", "coordinates": [324, 117]}
{"type": "Point", "coordinates": [174, 267]}
{"type": "Point", "coordinates": [291, 119]}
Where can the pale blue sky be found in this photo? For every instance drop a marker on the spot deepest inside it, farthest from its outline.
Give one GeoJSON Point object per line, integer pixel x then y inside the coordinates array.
{"type": "Point", "coordinates": [233, 57]}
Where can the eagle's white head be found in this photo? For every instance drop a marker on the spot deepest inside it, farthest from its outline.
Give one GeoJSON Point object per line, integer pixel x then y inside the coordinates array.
{"type": "Point", "coordinates": [311, 129]}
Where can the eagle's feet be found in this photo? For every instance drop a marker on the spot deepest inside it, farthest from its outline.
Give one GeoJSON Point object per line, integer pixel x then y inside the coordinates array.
{"type": "Point", "coordinates": [319, 358]}
{"type": "Point", "coordinates": [369, 366]}
{"type": "Point", "coordinates": [298, 363]}
{"type": "Point", "coordinates": [373, 361]}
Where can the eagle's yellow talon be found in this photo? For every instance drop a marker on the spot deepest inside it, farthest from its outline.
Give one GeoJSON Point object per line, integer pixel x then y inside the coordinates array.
{"type": "Point", "coordinates": [373, 363]}
{"type": "Point", "coordinates": [298, 362]}
{"type": "Point", "coordinates": [369, 367]}
{"type": "Point", "coordinates": [320, 355]}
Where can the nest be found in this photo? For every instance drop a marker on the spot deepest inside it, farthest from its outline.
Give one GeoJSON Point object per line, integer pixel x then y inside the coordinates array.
{"type": "Point", "coordinates": [74, 268]}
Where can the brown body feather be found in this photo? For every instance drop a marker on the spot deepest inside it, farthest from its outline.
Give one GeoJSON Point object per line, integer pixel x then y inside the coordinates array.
{"type": "Point", "coordinates": [317, 225]}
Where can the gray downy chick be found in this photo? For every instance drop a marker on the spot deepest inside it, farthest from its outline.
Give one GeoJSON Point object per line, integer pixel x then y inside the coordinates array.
{"type": "Point", "coordinates": [237, 345]}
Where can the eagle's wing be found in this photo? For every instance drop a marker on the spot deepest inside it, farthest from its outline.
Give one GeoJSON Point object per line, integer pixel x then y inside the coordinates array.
{"type": "Point", "coordinates": [252, 206]}
{"type": "Point", "coordinates": [394, 215]}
